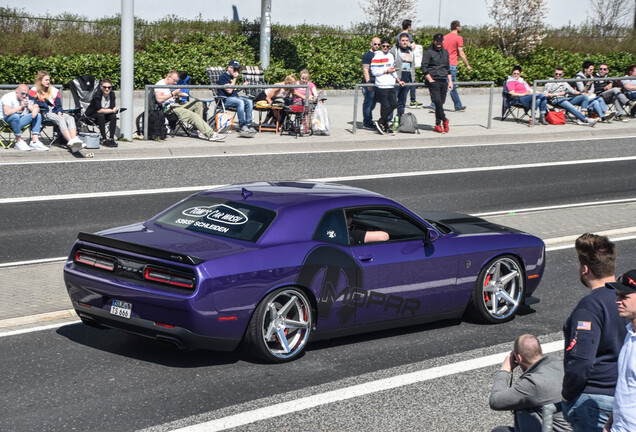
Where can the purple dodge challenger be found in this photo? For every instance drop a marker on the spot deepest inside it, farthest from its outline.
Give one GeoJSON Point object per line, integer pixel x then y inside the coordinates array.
{"type": "Point", "coordinates": [274, 265]}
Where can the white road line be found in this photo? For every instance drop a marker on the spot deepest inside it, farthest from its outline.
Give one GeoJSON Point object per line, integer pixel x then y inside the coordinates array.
{"type": "Point", "coordinates": [555, 207]}
{"type": "Point", "coordinates": [325, 179]}
{"type": "Point", "coordinates": [313, 151]}
{"type": "Point", "coordinates": [370, 387]}
{"type": "Point", "coordinates": [39, 328]}
{"type": "Point", "coordinates": [38, 261]}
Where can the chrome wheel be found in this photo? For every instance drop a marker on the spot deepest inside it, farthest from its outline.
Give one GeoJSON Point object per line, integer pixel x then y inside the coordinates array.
{"type": "Point", "coordinates": [281, 325]}
{"type": "Point", "coordinates": [499, 290]}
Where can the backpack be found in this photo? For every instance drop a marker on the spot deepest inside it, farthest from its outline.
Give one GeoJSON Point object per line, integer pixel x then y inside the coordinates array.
{"type": "Point", "coordinates": [408, 124]}
{"type": "Point", "coordinates": [156, 123]}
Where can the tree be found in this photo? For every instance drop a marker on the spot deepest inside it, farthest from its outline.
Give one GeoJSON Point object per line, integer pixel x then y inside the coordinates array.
{"type": "Point", "coordinates": [386, 16]}
{"type": "Point", "coordinates": [518, 24]}
{"type": "Point", "coordinates": [608, 17]}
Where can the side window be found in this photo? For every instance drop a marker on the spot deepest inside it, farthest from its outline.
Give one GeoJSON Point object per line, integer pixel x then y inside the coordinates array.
{"type": "Point", "coordinates": [383, 220]}
{"type": "Point", "coordinates": [333, 228]}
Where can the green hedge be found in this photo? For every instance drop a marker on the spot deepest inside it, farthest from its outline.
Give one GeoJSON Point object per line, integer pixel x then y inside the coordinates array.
{"type": "Point", "coordinates": [334, 62]}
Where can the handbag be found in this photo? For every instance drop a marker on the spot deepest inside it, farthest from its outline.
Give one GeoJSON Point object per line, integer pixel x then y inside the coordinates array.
{"type": "Point", "coordinates": [555, 117]}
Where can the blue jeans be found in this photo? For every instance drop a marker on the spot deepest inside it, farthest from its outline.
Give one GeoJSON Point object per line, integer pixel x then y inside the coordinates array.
{"type": "Point", "coordinates": [568, 105]}
{"type": "Point", "coordinates": [542, 102]}
{"type": "Point", "coordinates": [598, 105]}
{"type": "Point", "coordinates": [368, 106]}
{"type": "Point", "coordinates": [588, 412]}
{"type": "Point", "coordinates": [402, 93]}
{"type": "Point", "coordinates": [243, 107]}
{"type": "Point", "coordinates": [19, 122]}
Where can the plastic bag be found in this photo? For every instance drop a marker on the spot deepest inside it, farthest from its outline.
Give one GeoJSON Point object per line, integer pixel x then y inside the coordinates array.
{"type": "Point", "coordinates": [321, 124]}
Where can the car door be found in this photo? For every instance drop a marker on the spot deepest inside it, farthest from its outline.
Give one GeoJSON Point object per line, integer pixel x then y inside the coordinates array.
{"type": "Point", "coordinates": [404, 276]}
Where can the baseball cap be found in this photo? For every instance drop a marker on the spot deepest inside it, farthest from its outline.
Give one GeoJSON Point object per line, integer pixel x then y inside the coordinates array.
{"type": "Point", "coordinates": [234, 64]}
{"type": "Point", "coordinates": [625, 283]}
{"type": "Point", "coordinates": [438, 38]}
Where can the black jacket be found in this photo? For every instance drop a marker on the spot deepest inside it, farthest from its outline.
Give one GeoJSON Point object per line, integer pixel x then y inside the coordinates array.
{"type": "Point", "coordinates": [96, 103]}
{"type": "Point", "coordinates": [436, 63]}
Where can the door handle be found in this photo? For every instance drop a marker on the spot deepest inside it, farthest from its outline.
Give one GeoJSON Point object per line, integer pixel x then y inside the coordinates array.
{"type": "Point", "coordinates": [365, 257]}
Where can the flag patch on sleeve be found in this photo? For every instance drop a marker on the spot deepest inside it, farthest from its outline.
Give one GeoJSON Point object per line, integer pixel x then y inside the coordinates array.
{"type": "Point", "coordinates": [584, 325]}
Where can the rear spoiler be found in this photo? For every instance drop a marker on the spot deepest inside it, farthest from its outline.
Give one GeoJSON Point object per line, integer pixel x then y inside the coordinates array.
{"type": "Point", "coordinates": [140, 249]}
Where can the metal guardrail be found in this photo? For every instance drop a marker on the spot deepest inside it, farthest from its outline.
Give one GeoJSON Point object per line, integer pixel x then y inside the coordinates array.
{"type": "Point", "coordinates": [569, 80]}
{"type": "Point", "coordinates": [460, 83]}
{"type": "Point", "coordinates": [148, 88]}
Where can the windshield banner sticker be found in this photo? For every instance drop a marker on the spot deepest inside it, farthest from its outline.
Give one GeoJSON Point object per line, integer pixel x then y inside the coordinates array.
{"type": "Point", "coordinates": [219, 213]}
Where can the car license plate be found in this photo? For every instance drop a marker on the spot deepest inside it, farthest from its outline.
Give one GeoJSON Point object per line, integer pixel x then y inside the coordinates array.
{"type": "Point", "coordinates": [121, 308]}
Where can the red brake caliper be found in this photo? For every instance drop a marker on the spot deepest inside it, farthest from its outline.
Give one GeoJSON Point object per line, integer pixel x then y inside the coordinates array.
{"type": "Point", "coordinates": [486, 282]}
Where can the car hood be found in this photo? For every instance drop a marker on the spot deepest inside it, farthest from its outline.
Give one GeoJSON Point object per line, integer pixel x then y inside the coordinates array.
{"type": "Point", "coordinates": [151, 237]}
{"type": "Point", "coordinates": [466, 224]}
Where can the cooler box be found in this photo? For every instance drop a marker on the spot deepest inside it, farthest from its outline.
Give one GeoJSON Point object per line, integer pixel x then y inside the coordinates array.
{"type": "Point", "coordinates": [91, 139]}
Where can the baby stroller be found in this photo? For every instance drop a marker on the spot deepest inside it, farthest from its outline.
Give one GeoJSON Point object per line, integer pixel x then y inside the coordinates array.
{"type": "Point", "coordinates": [299, 119]}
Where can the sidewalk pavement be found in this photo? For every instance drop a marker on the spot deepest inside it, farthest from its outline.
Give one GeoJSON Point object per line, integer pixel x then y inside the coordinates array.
{"type": "Point", "coordinates": [35, 294]}
{"type": "Point", "coordinates": [466, 128]}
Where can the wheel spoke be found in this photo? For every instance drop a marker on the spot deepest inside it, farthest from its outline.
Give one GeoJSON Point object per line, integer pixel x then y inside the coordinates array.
{"type": "Point", "coordinates": [510, 276]}
{"type": "Point", "coordinates": [293, 324]}
{"type": "Point", "coordinates": [285, 309]}
{"type": "Point", "coordinates": [282, 338]}
{"type": "Point", "coordinates": [507, 298]}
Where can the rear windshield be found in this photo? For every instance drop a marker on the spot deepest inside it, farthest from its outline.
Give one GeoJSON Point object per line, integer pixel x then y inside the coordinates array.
{"type": "Point", "coordinates": [219, 217]}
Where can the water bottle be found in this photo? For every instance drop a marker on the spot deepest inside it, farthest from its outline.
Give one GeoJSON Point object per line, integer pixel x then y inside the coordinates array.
{"type": "Point", "coordinates": [396, 123]}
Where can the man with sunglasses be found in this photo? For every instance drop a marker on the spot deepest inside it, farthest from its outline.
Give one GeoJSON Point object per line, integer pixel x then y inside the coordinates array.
{"type": "Point", "coordinates": [18, 112]}
{"type": "Point", "coordinates": [103, 109]}
{"type": "Point", "coordinates": [383, 69]}
{"type": "Point", "coordinates": [369, 92]}
{"type": "Point", "coordinates": [611, 94]}
{"type": "Point", "coordinates": [563, 95]}
{"type": "Point", "coordinates": [623, 418]}
{"type": "Point", "coordinates": [538, 385]}
{"type": "Point", "coordinates": [593, 334]}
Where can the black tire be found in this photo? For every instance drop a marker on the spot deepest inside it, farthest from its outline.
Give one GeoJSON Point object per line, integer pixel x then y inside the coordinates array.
{"type": "Point", "coordinates": [280, 326]}
{"type": "Point", "coordinates": [499, 290]}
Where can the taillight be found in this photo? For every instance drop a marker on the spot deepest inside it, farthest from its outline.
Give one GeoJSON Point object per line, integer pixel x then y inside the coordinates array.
{"type": "Point", "coordinates": [168, 277]}
{"type": "Point", "coordinates": [95, 260]}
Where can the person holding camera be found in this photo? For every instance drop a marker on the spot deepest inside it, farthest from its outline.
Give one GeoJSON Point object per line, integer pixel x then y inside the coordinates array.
{"type": "Point", "coordinates": [538, 385]}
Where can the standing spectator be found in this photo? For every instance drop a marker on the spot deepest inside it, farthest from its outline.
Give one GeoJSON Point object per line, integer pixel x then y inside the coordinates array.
{"type": "Point", "coordinates": [587, 87]}
{"type": "Point", "coordinates": [454, 44]}
{"type": "Point", "coordinates": [18, 113]}
{"type": "Point", "coordinates": [407, 28]}
{"type": "Point", "coordinates": [191, 112]}
{"type": "Point", "coordinates": [48, 99]}
{"type": "Point", "coordinates": [405, 67]}
{"type": "Point", "coordinates": [611, 93]}
{"type": "Point", "coordinates": [538, 385]}
{"type": "Point", "coordinates": [436, 70]}
{"type": "Point", "coordinates": [623, 418]}
{"type": "Point", "coordinates": [383, 69]}
{"type": "Point", "coordinates": [563, 95]}
{"type": "Point", "coordinates": [103, 108]}
{"type": "Point", "coordinates": [369, 92]}
{"type": "Point", "coordinates": [593, 334]}
{"type": "Point", "coordinates": [242, 104]}
{"type": "Point", "coordinates": [518, 87]}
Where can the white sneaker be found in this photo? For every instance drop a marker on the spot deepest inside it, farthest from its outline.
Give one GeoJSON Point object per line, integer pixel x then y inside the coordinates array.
{"type": "Point", "coordinates": [37, 145]}
{"type": "Point", "coordinates": [75, 145]}
{"type": "Point", "coordinates": [22, 146]}
{"type": "Point", "coordinates": [201, 135]}
{"type": "Point", "coordinates": [217, 137]}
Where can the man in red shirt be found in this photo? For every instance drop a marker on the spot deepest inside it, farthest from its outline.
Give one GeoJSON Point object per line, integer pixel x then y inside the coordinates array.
{"type": "Point", "coordinates": [454, 44]}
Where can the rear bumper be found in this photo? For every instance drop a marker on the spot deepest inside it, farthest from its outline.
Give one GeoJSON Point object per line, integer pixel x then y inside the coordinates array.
{"type": "Point", "coordinates": [176, 336]}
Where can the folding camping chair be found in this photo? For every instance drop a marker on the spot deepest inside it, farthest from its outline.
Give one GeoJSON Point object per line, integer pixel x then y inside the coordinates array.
{"type": "Point", "coordinates": [512, 107]}
{"type": "Point", "coordinates": [213, 74]}
{"type": "Point", "coordinates": [174, 123]}
{"type": "Point", "coordinates": [7, 139]}
{"type": "Point", "coordinates": [83, 89]}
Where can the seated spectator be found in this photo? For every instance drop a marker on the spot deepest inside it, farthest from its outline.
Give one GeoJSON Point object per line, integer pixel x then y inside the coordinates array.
{"type": "Point", "coordinates": [18, 111]}
{"type": "Point", "coordinates": [628, 84]}
{"type": "Point", "coordinates": [611, 93]}
{"type": "Point", "coordinates": [276, 96]}
{"type": "Point", "coordinates": [242, 104]}
{"type": "Point", "coordinates": [103, 109]}
{"type": "Point", "coordinates": [299, 93]}
{"type": "Point", "coordinates": [538, 385]}
{"type": "Point", "coordinates": [587, 87]}
{"type": "Point", "coordinates": [519, 88]}
{"type": "Point", "coordinates": [191, 112]}
{"type": "Point", "coordinates": [48, 99]}
{"type": "Point", "coordinates": [563, 95]}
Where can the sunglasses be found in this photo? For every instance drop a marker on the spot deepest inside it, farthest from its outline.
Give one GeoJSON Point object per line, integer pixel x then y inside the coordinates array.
{"type": "Point", "coordinates": [23, 93]}
{"type": "Point", "coordinates": [603, 68]}
{"type": "Point", "coordinates": [107, 87]}
{"type": "Point", "coordinates": [386, 46]}
{"type": "Point", "coordinates": [558, 74]}
{"type": "Point", "coordinates": [626, 280]}
{"type": "Point", "coordinates": [376, 44]}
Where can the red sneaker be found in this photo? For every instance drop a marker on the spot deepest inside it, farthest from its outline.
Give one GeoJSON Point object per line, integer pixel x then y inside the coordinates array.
{"type": "Point", "coordinates": [438, 129]}
{"type": "Point", "coordinates": [445, 125]}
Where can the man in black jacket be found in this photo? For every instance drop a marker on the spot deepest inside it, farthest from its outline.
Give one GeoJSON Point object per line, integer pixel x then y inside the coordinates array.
{"type": "Point", "coordinates": [103, 109]}
{"type": "Point", "coordinates": [436, 70]}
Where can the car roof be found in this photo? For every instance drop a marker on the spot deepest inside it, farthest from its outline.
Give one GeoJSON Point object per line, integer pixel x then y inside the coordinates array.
{"type": "Point", "coordinates": [288, 194]}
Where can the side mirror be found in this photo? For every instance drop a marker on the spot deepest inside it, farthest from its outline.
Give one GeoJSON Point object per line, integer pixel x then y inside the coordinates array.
{"type": "Point", "coordinates": [431, 236]}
